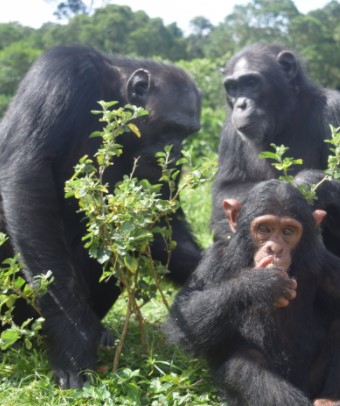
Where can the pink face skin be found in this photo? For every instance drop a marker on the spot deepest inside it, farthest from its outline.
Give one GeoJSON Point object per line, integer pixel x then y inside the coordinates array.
{"type": "Point", "coordinates": [325, 402]}
{"type": "Point", "coordinates": [275, 238]}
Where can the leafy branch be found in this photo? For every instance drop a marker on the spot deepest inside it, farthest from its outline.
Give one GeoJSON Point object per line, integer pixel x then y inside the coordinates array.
{"type": "Point", "coordinates": [13, 287]}
{"type": "Point", "coordinates": [284, 164]}
{"type": "Point", "coordinates": [123, 222]}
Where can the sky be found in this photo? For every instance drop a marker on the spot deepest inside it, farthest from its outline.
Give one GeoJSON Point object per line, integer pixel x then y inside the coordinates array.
{"type": "Point", "coordinates": [34, 13]}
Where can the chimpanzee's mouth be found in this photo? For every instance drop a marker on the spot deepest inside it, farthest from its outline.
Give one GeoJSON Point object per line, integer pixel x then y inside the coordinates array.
{"type": "Point", "coordinates": [248, 127]}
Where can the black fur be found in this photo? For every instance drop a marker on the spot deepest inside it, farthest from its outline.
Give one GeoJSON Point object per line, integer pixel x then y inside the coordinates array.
{"type": "Point", "coordinates": [42, 135]}
{"type": "Point", "coordinates": [261, 354]}
{"type": "Point", "coordinates": [272, 100]}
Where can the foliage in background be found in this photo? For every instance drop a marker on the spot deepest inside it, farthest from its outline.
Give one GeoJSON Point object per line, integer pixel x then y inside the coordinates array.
{"type": "Point", "coordinates": [333, 166]}
{"type": "Point", "coordinates": [207, 74]}
{"type": "Point", "coordinates": [70, 8]}
{"type": "Point", "coordinates": [119, 30]}
{"type": "Point", "coordinates": [14, 62]}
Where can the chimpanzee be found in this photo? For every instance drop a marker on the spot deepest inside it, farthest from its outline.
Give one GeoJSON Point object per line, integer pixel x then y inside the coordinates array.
{"type": "Point", "coordinates": [43, 134]}
{"type": "Point", "coordinates": [264, 308]}
{"type": "Point", "coordinates": [271, 100]}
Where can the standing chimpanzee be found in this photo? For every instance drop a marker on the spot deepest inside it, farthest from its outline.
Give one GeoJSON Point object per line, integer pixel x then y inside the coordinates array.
{"type": "Point", "coordinates": [264, 308]}
{"type": "Point", "coordinates": [43, 134]}
{"type": "Point", "coordinates": [271, 100]}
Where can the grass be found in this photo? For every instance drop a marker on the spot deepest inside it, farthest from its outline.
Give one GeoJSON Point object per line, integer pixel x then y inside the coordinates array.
{"type": "Point", "coordinates": [196, 204]}
{"type": "Point", "coordinates": [164, 377]}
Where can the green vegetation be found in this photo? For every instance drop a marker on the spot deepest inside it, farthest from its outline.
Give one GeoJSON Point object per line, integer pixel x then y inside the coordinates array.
{"type": "Point", "coordinates": [119, 30]}
{"type": "Point", "coordinates": [121, 224]}
{"type": "Point", "coordinates": [164, 377]}
{"type": "Point", "coordinates": [141, 369]}
{"type": "Point", "coordinates": [281, 164]}
{"type": "Point", "coordinates": [284, 164]}
{"type": "Point", "coordinates": [13, 288]}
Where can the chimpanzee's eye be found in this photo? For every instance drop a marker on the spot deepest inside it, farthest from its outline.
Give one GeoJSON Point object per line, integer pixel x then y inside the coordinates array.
{"type": "Point", "coordinates": [264, 229]}
{"type": "Point", "coordinates": [288, 231]}
{"type": "Point", "coordinates": [251, 82]}
{"type": "Point", "coordinates": [230, 87]}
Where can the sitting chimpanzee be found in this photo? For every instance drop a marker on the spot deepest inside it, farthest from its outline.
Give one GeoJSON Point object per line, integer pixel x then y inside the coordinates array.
{"type": "Point", "coordinates": [271, 100]}
{"type": "Point", "coordinates": [264, 308]}
{"type": "Point", "coordinates": [42, 136]}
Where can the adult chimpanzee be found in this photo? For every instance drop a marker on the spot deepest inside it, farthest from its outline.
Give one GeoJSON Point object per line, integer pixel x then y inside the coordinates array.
{"type": "Point", "coordinates": [43, 134]}
{"type": "Point", "coordinates": [271, 100]}
{"type": "Point", "coordinates": [264, 309]}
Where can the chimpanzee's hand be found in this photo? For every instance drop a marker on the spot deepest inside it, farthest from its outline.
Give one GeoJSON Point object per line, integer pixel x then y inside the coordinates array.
{"type": "Point", "coordinates": [280, 287]}
{"type": "Point", "coordinates": [284, 288]}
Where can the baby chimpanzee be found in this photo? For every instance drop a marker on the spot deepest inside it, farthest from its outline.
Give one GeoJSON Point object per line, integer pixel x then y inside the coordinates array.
{"type": "Point", "coordinates": [264, 308]}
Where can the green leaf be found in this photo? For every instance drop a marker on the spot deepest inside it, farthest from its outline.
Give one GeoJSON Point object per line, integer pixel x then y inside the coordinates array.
{"type": "Point", "coordinates": [135, 129]}
{"type": "Point", "coordinates": [8, 338]}
{"type": "Point", "coordinates": [19, 282]}
{"type": "Point", "coordinates": [267, 155]}
{"type": "Point", "coordinates": [103, 255]}
{"type": "Point", "coordinates": [3, 238]}
{"type": "Point", "coordinates": [28, 343]}
{"type": "Point", "coordinates": [131, 263]}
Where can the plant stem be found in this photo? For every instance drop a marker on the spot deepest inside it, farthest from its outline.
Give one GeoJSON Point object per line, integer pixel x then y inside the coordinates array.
{"type": "Point", "coordinates": [122, 337]}
{"type": "Point", "coordinates": [156, 279]}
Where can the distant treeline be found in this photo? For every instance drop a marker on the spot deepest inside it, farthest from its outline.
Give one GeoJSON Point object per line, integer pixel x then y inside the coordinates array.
{"type": "Point", "coordinates": [119, 30]}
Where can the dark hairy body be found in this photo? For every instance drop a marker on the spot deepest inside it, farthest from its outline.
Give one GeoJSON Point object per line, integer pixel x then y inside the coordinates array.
{"type": "Point", "coordinates": [271, 100]}
{"type": "Point", "coordinates": [263, 308]}
{"type": "Point", "coordinates": [42, 136]}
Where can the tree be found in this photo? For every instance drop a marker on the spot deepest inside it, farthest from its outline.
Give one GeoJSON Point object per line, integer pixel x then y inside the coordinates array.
{"type": "Point", "coordinates": [201, 28]}
{"type": "Point", "coordinates": [70, 8]}
{"type": "Point", "coordinates": [14, 61]}
{"type": "Point", "coordinates": [261, 21]}
{"type": "Point", "coordinates": [13, 32]}
{"type": "Point", "coordinates": [319, 50]}
{"type": "Point", "coordinates": [206, 74]}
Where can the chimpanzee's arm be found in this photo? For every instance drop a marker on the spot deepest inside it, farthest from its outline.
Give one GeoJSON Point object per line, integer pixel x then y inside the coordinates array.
{"type": "Point", "coordinates": [210, 308]}
{"type": "Point", "coordinates": [30, 203]}
{"type": "Point", "coordinates": [40, 137]}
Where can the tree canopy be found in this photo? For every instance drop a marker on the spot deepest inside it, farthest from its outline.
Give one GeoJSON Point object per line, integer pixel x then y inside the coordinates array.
{"type": "Point", "coordinates": [119, 30]}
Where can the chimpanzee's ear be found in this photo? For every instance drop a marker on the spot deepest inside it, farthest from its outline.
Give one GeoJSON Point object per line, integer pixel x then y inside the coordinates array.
{"type": "Point", "coordinates": [288, 62]}
{"type": "Point", "coordinates": [319, 215]}
{"type": "Point", "coordinates": [138, 86]}
{"type": "Point", "coordinates": [231, 209]}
